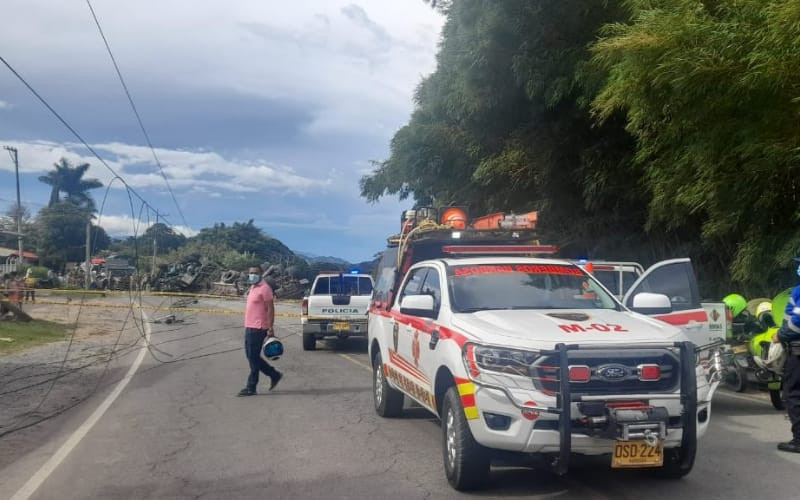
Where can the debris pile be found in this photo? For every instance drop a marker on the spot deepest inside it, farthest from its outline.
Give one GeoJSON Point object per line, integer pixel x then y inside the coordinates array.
{"type": "Point", "coordinates": [192, 276]}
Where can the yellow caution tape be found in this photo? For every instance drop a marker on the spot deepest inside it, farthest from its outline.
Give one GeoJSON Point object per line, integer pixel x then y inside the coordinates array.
{"type": "Point", "coordinates": [104, 305]}
{"type": "Point", "coordinates": [126, 293]}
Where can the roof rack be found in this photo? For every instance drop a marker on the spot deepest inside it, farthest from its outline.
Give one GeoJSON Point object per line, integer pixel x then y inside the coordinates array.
{"type": "Point", "coordinates": [500, 249]}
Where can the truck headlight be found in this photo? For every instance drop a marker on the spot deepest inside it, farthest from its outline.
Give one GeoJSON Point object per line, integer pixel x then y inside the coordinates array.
{"type": "Point", "coordinates": [479, 358]}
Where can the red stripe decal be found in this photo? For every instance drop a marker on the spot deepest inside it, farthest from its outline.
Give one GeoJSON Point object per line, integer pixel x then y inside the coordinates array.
{"type": "Point", "coordinates": [406, 366]}
{"type": "Point", "coordinates": [424, 326]}
{"type": "Point", "coordinates": [679, 319]}
{"type": "Point", "coordinates": [468, 400]}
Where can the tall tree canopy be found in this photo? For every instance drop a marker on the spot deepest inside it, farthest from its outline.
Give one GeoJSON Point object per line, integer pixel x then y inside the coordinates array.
{"type": "Point", "coordinates": [68, 179]}
{"type": "Point", "coordinates": [711, 93]}
{"type": "Point", "coordinates": [640, 129]}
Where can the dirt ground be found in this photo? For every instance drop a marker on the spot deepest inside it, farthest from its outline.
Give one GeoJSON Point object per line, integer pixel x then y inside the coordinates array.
{"type": "Point", "coordinates": [45, 381]}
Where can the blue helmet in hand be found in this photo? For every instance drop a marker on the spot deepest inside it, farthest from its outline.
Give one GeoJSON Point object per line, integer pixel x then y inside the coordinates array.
{"type": "Point", "coordinates": [273, 349]}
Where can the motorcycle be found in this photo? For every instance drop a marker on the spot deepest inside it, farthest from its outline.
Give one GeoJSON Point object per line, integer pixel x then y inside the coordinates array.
{"type": "Point", "coordinates": [748, 348]}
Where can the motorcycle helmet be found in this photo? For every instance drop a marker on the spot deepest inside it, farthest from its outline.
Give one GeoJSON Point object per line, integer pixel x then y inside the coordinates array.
{"type": "Point", "coordinates": [735, 303]}
{"type": "Point", "coordinates": [273, 349]}
{"type": "Point", "coordinates": [764, 314]}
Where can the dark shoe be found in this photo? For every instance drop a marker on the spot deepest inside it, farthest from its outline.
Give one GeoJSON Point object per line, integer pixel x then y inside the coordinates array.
{"type": "Point", "coordinates": [247, 392]}
{"type": "Point", "coordinates": [792, 446]}
{"type": "Point", "coordinates": [275, 379]}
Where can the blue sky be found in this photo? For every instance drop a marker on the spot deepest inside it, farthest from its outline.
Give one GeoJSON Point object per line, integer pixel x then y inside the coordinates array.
{"type": "Point", "coordinates": [258, 109]}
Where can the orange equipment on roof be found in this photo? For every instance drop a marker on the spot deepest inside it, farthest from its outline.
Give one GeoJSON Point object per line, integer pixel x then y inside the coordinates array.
{"type": "Point", "coordinates": [500, 220]}
{"type": "Point", "coordinates": [455, 217]}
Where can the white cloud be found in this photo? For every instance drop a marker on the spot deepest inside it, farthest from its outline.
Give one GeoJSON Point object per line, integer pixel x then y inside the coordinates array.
{"type": "Point", "coordinates": [184, 169]}
{"type": "Point", "coordinates": [5, 105]}
{"type": "Point", "coordinates": [354, 65]}
{"type": "Point", "coordinates": [123, 225]}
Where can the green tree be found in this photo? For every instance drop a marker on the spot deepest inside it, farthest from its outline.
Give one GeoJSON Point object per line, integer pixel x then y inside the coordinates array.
{"type": "Point", "coordinates": [245, 237]}
{"type": "Point", "coordinates": [61, 234]}
{"type": "Point", "coordinates": [502, 125]}
{"type": "Point", "coordinates": [8, 224]}
{"type": "Point", "coordinates": [709, 90]}
{"type": "Point", "coordinates": [69, 180]}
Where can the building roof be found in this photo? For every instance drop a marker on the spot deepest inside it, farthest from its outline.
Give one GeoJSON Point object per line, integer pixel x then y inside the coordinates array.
{"type": "Point", "coordinates": [12, 252]}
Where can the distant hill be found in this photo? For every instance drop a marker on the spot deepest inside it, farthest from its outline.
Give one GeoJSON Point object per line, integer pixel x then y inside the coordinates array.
{"type": "Point", "coordinates": [312, 259]}
{"type": "Point", "coordinates": [316, 260]}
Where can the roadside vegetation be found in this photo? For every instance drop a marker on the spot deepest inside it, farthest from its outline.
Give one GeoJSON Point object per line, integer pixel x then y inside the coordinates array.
{"type": "Point", "coordinates": [640, 129]}
{"type": "Point", "coordinates": [17, 335]}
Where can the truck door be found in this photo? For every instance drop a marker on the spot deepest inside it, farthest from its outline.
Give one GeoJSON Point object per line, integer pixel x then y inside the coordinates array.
{"type": "Point", "coordinates": [403, 333]}
{"type": "Point", "coordinates": [676, 279]}
{"type": "Point", "coordinates": [413, 336]}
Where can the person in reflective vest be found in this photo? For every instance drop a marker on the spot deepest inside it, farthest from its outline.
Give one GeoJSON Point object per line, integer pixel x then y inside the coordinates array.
{"type": "Point", "coordinates": [789, 335]}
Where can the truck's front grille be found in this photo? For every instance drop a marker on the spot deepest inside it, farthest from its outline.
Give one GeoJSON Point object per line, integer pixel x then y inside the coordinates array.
{"type": "Point", "coordinates": [612, 371]}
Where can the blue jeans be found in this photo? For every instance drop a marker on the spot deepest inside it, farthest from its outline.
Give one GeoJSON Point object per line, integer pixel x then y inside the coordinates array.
{"type": "Point", "coordinates": [253, 341]}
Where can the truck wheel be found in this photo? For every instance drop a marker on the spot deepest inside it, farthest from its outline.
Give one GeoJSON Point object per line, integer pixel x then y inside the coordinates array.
{"type": "Point", "coordinates": [466, 463]}
{"type": "Point", "coordinates": [777, 401]}
{"type": "Point", "coordinates": [309, 342]}
{"type": "Point", "coordinates": [388, 401]}
{"type": "Point", "coordinates": [676, 464]}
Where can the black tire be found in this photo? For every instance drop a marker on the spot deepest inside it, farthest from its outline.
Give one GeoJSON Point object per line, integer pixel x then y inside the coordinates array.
{"type": "Point", "coordinates": [466, 463]}
{"type": "Point", "coordinates": [309, 342]}
{"type": "Point", "coordinates": [676, 463]}
{"type": "Point", "coordinates": [736, 378]}
{"type": "Point", "coordinates": [777, 401]}
{"type": "Point", "coordinates": [388, 401]}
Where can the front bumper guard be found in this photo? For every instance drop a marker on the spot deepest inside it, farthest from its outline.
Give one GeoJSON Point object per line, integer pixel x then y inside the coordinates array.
{"type": "Point", "coordinates": [647, 431]}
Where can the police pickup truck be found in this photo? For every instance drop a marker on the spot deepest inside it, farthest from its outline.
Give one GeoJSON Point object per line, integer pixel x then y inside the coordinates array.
{"type": "Point", "coordinates": [336, 306]}
{"type": "Point", "coordinates": [527, 357]}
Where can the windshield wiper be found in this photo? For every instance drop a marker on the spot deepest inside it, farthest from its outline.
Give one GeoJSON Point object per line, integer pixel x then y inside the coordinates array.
{"type": "Point", "coordinates": [478, 309]}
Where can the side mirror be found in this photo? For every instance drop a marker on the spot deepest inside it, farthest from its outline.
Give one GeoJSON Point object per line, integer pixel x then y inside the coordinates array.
{"type": "Point", "coordinates": [651, 303]}
{"type": "Point", "coordinates": [418, 305]}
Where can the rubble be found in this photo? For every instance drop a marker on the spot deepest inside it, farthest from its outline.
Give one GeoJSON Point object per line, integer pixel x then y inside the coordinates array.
{"type": "Point", "coordinates": [191, 275]}
{"type": "Point", "coordinates": [195, 277]}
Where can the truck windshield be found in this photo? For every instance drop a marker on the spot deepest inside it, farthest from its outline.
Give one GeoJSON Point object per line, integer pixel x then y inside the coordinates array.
{"type": "Point", "coordinates": [343, 285]}
{"type": "Point", "coordinates": [525, 286]}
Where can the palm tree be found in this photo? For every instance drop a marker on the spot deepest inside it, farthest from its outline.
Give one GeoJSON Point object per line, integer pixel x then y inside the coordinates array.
{"type": "Point", "coordinates": [69, 180]}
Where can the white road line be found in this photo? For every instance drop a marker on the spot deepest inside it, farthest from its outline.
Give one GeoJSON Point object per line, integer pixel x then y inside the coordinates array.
{"type": "Point", "coordinates": [44, 472]}
{"type": "Point", "coordinates": [353, 360]}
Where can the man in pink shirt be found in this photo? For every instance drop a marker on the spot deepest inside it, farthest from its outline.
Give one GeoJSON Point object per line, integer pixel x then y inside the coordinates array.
{"type": "Point", "coordinates": [259, 318]}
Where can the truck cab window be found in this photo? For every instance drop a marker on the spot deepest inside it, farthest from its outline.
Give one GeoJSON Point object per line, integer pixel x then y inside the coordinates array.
{"type": "Point", "coordinates": [432, 287]}
{"type": "Point", "coordinates": [414, 284]}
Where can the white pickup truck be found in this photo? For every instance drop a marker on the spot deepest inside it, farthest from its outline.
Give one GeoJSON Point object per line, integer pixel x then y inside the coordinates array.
{"type": "Point", "coordinates": [337, 306]}
{"type": "Point", "coordinates": [530, 357]}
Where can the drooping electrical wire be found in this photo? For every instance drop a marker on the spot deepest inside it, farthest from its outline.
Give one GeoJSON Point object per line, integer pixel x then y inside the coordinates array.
{"type": "Point", "coordinates": [136, 112]}
{"type": "Point", "coordinates": [76, 134]}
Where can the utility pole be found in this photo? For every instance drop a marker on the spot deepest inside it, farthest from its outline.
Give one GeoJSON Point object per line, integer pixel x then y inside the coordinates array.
{"type": "Point", "coordinates": [153, 268]}
{"type": "Point", "coordinates": [13, 152]}
{"type": "Point", "coordinates": [88, 274]}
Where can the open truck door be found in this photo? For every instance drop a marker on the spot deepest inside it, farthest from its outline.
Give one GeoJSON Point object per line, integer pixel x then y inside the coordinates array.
{"type": "Point", "coordinates": [676, 279]}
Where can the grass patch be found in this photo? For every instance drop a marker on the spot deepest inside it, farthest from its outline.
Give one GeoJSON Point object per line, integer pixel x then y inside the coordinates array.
{"type": "Point", "coordinates": [24, 335]}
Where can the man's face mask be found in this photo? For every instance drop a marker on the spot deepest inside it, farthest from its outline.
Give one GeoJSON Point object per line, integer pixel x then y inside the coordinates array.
{"type": "Point", "coordinates": [253, 278]}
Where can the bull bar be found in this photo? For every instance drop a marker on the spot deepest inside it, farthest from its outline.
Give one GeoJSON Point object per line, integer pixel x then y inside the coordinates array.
{"type": "Point", "coordinates": [566, 396]}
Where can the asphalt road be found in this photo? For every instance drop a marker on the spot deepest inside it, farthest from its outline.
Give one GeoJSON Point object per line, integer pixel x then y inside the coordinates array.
{"type": "Point", "coordinates": [177, 430]}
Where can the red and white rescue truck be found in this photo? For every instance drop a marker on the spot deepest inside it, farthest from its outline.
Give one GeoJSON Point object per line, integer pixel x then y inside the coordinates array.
{"type": "Point", "coordinates": [522, 355]}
